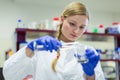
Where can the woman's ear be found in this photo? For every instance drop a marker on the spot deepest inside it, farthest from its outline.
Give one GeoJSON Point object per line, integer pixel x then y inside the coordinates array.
{"type": "Point", "coordinates": [61, 19]}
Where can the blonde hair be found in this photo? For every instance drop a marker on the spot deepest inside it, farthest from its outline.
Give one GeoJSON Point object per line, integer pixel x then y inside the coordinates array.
{"type": "Point", "coordinates": [58, 52]}
{"type": "Point", "coordinates": [74, 8]}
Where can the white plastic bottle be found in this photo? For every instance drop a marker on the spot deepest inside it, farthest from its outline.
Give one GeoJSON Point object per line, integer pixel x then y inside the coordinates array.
{"type": "Point", "coordinates": [55, 23]}
{"type": "Point", "coordinates": [115, 26]}
{"type": "Point", "coordinates": [20, 24]}
{"type": "Point", "coordinates": [101, 29]}
{"type": "Point", "coordinates": [119, 28]}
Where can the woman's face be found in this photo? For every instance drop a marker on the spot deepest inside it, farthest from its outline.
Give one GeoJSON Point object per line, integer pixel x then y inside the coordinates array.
{"type": "Point", "coordinates": [73, 27]}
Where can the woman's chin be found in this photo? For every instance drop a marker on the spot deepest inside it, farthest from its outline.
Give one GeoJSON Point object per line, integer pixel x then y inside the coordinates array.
{"type": "Point", "coordinates": [72, 40]}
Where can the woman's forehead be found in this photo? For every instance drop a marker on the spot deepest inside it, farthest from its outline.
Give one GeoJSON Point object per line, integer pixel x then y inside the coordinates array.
{"type": "Point", "coordinates": [78, 19]}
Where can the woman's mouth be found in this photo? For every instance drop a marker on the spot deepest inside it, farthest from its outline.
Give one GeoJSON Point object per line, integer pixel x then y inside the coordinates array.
{"type": "Point", "coordinates": [74, 36]}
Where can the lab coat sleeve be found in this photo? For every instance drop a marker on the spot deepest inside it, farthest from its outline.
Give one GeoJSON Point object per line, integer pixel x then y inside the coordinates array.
{"type": "Point", "coordinates": [18, 66]}
{"type": "Point", "coordinates": [98, 69]}
{"type": "Point", "coordinates": [99, 72]}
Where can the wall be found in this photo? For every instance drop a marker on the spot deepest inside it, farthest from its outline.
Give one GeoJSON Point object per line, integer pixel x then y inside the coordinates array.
{"type": "Point", "coordinates": [117, 17]}
{"type": "Point", "coordinates": [11, 11]}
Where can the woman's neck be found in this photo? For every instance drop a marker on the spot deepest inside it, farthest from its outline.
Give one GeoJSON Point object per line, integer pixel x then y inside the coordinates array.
{"type": "Point", "coordinates": [64, 39]}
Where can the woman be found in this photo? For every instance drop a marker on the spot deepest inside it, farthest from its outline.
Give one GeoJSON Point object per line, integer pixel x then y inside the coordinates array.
{"type": "Point", "coordinates": [47, 62]}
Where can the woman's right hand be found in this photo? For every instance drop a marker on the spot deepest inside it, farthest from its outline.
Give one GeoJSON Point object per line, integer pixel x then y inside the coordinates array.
{"type": "Point", "coordinates": [48, 43]}
{"type": "Point", "coordinates": [93, 59]}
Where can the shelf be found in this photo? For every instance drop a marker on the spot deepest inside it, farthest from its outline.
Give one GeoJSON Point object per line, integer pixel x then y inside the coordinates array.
{"type": "Point", "coordinates": [116, 37]}
{"type": "Point", "coordinates": [21, 34]}
{"type": "Point", "coordinates": [53, 31]}
{"type": "Point", "coordinates": [115, 60]}
{"type": "Point", "coordinates": [102, 34]}
{"type": "Point", "coordinates": [34, 30]}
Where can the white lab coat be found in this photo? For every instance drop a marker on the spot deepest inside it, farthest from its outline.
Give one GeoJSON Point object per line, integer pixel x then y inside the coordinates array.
{"type": "Point", "coordinates": [39, 66]}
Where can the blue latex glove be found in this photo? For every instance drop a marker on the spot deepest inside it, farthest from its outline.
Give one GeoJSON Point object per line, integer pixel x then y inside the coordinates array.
{"type": "Point", "coordinates": [89, 66]}
{"type": "Point", "coordinates": [47, 43]}
{"type": "Point", "coordinates": [99, 51]}
{"type": "Point", "coordinates": [93, 59]}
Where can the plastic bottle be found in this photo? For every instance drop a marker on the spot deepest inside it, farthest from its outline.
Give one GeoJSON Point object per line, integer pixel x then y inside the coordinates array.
{"type": "Point", "coordinates": [117, 26]}
{"type": "Point", "coordinates": [55, 23]}
{"type": "Point", "coordinates": [95, 30]}
{"type": "Point", "coordinates": [101, 29]}
{"type": "Point", "coordinates": [117, 53]}
{"type": "Point", "coordinates": [23, 43]}
{"type": "Point", "coordinates": [114, 28]}
{"type": "Point", "coordinates": [20, 24]}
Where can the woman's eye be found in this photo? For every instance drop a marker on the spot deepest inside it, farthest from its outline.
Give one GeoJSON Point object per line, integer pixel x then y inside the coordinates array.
{"type": "Point", "coordinates": [82, 27]}
{"type": "Point", "coordinates": [72, 24]}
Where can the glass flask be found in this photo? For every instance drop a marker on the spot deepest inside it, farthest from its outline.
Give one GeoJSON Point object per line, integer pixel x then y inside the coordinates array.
{"type": "Point", "coordinates": [78, 50]}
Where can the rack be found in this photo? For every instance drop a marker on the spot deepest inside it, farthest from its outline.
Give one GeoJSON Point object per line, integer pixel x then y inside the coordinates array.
{"type": "Point", "coordinates": [22, 32]}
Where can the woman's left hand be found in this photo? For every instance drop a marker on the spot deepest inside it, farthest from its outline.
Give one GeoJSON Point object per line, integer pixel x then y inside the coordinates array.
{"type": "Point", "coordinates": [89, 66]}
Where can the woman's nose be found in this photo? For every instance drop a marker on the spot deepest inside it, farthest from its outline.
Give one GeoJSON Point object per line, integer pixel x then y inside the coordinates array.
{"type": "Point", "coordinates": [76, 30]}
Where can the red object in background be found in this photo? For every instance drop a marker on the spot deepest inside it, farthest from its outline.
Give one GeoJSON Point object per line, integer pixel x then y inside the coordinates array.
{"type": "Point", "coordinates": [55, 18]}
{"type": "Point", "coordinates": [101, 26]}
{"type": "Point", "coordinates": [115, 23]}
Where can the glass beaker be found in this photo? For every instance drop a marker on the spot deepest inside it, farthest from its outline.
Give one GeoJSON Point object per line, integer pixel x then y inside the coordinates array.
{"type": "Point", "coordinates": [80, 53]}
{"type": "Point", "coordinates": [67, 52]}
{"type": "Point", "coordinates": [77, 49]}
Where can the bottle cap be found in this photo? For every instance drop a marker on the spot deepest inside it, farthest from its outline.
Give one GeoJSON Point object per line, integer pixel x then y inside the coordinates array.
{"type": "Point", "coordinates": [19, 20]}
{"type": "Point", "coordinates": [55, 18]}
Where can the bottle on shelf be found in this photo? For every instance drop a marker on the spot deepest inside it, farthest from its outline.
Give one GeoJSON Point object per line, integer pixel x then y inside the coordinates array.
{"type": "Point", "coordinates": [55, 23]}
{"type": "Point", "coordinates": [116, 53]}
{"type": "Point", "coordinates": [23, 43]}
{"type": "Point", "coordinates": [20, 24]}
{"type": "Point", "coordinates": [101, 28]}
{"type": "Point", "coordinates": [114, 28]}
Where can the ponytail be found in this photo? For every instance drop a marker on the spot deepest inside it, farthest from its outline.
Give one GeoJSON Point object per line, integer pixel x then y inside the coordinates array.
{"type": "Point", "coordinates": [58, 52]}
